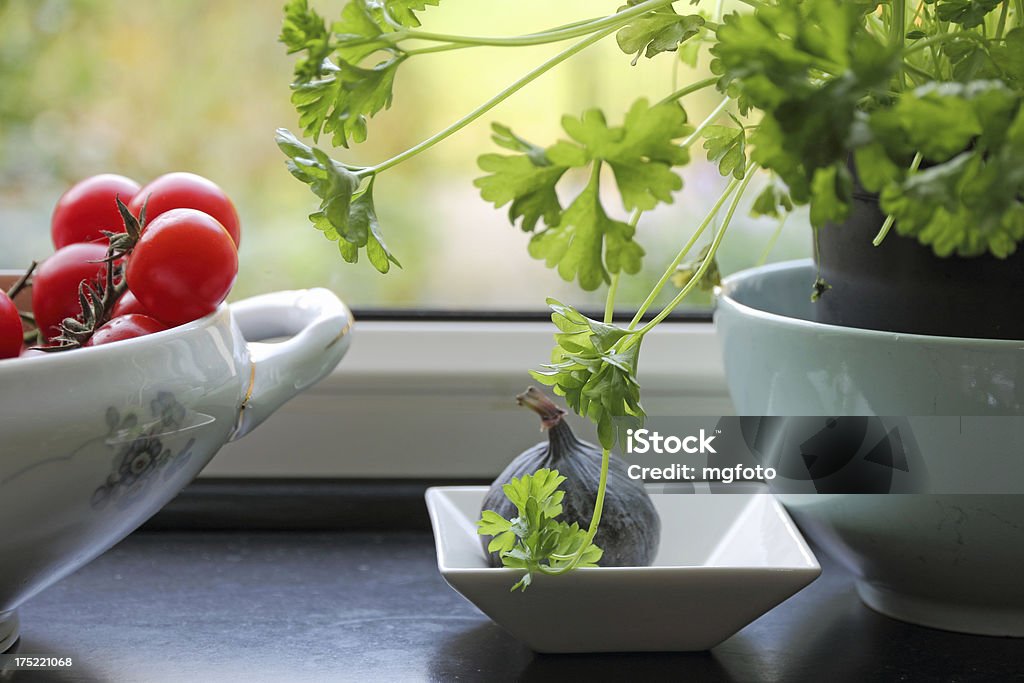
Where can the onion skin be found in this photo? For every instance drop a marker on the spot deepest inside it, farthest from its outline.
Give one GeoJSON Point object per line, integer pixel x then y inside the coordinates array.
{"type": "Point", "coordinates": [630, 527]}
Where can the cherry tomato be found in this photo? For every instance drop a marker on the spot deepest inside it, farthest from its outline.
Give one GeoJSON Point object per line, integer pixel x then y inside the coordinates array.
{"type": "Point", "coordinates": [127, 305]}
{"type": "Point", "coordinates": [183, 266]}
{"type": "Point", "coordinates": [11, 330]}
{"type": "Point", "coordinates": [125, 327]}
{"type": "Point", "coordinates": [187, 191]}
{"type": "Point", "coordinates": [56, 280]}
{"type": "Point", "coordinates": [89, 208]}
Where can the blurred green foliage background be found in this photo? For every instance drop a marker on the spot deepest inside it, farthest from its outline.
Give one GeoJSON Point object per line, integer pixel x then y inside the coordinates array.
{"type": "Point", "coordinates": [142, 88]}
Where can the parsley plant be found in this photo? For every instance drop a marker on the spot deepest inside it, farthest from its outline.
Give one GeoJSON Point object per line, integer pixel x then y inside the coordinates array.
{"type": "Point", "coordinates": [920, 101]}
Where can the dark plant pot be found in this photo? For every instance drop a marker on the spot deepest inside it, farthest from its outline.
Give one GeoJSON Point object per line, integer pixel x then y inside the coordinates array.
{"type": "Point", "coordinates": [902, 286]}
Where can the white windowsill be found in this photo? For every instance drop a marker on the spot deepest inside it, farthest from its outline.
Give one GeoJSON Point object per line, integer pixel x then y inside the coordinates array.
{"type": "Point", "coordinates": [436, 399]}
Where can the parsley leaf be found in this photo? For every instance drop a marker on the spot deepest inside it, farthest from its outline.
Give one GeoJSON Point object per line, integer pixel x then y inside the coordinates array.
{"type": "Point", "coordinates": [596, 377]}
{"type": "Point", "coordinates": [1009, 57]}
{"type": "Point", "coordinates": [810, 66]}
{"type": "Point", "coordinates": [526, 180]}
{"type": "Point", "coordinates": [582, 242]}
{"type": "Point", "coordinates": [831, 194]}
{"type": "Point", "coordinates": [967, 13]}
{"type": "Point", "coordinates": [542, 486]}
{"type": "Point", "coordinates": [968, 205]}
{"type": "Point", "coordinates": [341, 101]}
{"type": "Point", "coordinates": [504, 137]}
{"type": "Point", "coordinates": [360, 30]}
{"type": "Point", "coordinates": [641, 152]}
{"type": "Point", "coordinates": [970, 57]}
{"type": "Point", "coordinates": [662, 30]}
{"type": "Point", "coordinates": [305, 31]}
{"type": "Point", "coordinates": [587, 244]}
{"type": "Point", "coordinates": [686, 271]}
{"type": "Point", "coordinates": [875, 168]}
{"type": "Point", "coordinates": [966, 198]}
{"type": "Point", "coordinates": [347, 213]}
{"type": "Point", "coordinates": [368, 19]}
{"type": "Point", "coordinates": [772, 201]}
{"type": "Point", "coordinates": [726, 146]}
{"type": "Point", "coordinates": [952, 121]}
{"type": "Point", "coordinates": [535, 539]}
{"type": "Point", "coordinates": [404, 11]}
{"type": "Point", "coordinates": [530, 188]}
{"type": "Point", "coordinates": [334, 92]}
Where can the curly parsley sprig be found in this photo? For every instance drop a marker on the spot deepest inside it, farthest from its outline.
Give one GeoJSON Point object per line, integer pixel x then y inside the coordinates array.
{"type": "Point", "coordinates": [535, 540]}
{"type": "Point", "coordinates": [335, 92]}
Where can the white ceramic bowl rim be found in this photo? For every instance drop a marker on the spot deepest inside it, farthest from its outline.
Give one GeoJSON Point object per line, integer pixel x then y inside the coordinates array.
{"type": "Point", "coordinates": [435, 493]}
{"type": "Point", "coordinates": [154, 338]}
{"type": "Point", "coordinates": [725, 297]}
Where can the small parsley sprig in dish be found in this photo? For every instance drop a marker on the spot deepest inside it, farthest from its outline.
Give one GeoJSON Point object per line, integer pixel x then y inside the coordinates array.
{"type": "Point", "coordinates": [536, 541]}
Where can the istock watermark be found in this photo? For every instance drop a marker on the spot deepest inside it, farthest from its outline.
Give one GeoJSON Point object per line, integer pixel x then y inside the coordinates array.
{"type": "Point", "coordinates": [642, 441]}
{"type": "Point", "coordinates": [698, 443]}
{"type": "Point", "coordinates": [724, 475]}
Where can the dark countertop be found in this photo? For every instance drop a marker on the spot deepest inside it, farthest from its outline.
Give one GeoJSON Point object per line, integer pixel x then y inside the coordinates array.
{"type": "Point", "coordinates": [371, 606]}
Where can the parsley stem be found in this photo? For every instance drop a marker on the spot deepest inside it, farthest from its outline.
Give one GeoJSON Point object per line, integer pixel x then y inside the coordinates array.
{"type": "Point", "coordinates": [614, 21]}
{"type": "Point", "coordinates": [444, 47]}
{"type": "Point", "coordinates": [489, 104]}
{"type": "Point", "coordinates": [447, 47]}
{"type": "Point", "coordinates": [609, 302]}
{"type": "Point", "coordinates": [695, 135]}
{"type": "Point", "coordinates": [1001, 26]}
{"type": "Point", "coordinates": [708, 260]}
{"type": "Point", "coordinates": [932, 40]}
{"type": "Point", "coordinates": [919, 72]}
{"type": "Point", "coordinates": [884, 231]}
{"type": "Point", "coordinates": [595, 520]}
{"type": "Point", "coordinates": [573, 24]}
{"type": "Point", "coordinates": [890, 219]}
{"type": "Point", "coordinates": [899, 31]}
{"type": "Point", "coordinates": [772, 240]}
{"type": "Point", "coordinates": [670, 271]}
{"type": "Point", "coordinates": [613, 286]}
{"type": "Point", "coordinates": [689, 90]}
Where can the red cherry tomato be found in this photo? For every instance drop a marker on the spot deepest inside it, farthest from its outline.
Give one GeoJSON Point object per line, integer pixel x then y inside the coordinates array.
{"type": "Point", "coordinates": [188, 191]}
{"type": "Point", "coordinates": [125, 327]}
{"type": "Point", "coordinates": [183, 266]}
{"type": "Point", "coordinates": [127, 305]}
{"type": "Point", "coordinates": [56, 280]}
{"type": "Point", "coordinates": [11, 330]}
{"type": "Point", "coordinates": [89, 208]}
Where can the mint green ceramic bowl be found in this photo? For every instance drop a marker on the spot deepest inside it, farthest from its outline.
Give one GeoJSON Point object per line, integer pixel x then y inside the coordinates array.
{"type": "Point", "coordinates": [947, 561]}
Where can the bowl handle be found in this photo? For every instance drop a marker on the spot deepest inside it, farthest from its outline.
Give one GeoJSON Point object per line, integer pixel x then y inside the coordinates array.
{"type": "Point", "coordinates": [316, 325]}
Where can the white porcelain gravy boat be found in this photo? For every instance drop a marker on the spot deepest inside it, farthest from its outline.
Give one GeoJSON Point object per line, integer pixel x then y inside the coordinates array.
{"type": "Point", "coordinates": [94, 441]}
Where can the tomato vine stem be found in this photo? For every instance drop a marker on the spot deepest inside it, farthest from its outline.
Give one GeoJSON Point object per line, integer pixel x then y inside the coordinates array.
{"type": "Point", "coordinates": [24, 281]}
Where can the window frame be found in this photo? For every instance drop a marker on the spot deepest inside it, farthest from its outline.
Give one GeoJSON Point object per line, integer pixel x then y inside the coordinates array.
{"type": "Point", "coordinates": [434, 398]}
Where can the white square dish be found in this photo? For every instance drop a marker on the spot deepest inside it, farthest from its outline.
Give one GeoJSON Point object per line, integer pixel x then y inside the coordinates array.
{"type": "Point", "coordinates": [724, 560]}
